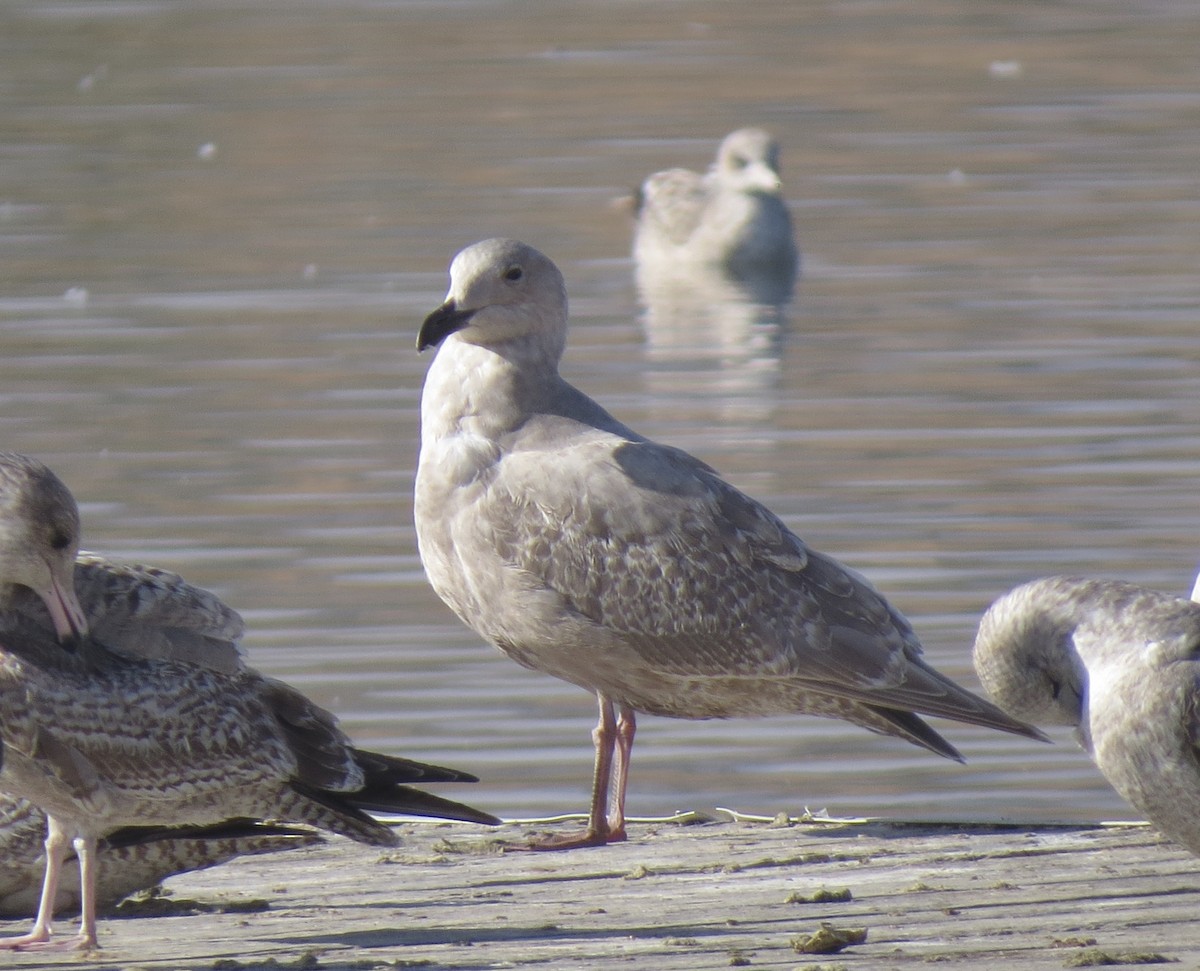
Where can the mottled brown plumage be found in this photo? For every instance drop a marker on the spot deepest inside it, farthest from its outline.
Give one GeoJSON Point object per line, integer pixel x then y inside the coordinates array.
{"type": "Point", "coordinates": [47, 583]}
{"type": "Point", "coordinates": [630, 568]}
{"type": "Point", "coordinates": [101, 740]}
{"type": "Point", "coordinates": [139, 609]}
{"type": "Point", "coordinates": [128, 860]}
{"type": "Point", "coordinates": [147, 742]}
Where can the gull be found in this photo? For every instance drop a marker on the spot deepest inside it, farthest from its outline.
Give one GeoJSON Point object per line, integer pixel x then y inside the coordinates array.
{"type": "Point", "coordinates": [101, 741]}
{"type": "Point", "coordinates": [137, 609]}
{"type": "Point", "coordinates": [128, 860]}
{"type": "Point", "coordinates": [1121, 664]}
{"type": "Point", "coordinates": [48, 583]}
{"type": "Point", "coordinates": [583, 550]}
{"type": "Point", "coordinates": [148, 742]}
{"type": "Point", "coordinates": [39, 538]}
{"type": "Point", "coordinates": [731, 219]}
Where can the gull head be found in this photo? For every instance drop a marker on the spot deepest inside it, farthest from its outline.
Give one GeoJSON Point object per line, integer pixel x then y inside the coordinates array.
{"type": "Point", "coordinates": [502, 291]}
{"type": "Point", "coordinates": [1025, 652]}
{"type": "Point", "coordinates": [39, 540]}
{"type": "Point", "coordinates": [748, 161]}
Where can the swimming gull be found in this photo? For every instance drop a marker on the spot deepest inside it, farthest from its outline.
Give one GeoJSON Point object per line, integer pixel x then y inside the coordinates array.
{"type": "Point", "coordinates": [732, 218]}
{"type": "Point", "coordinates": [631, 569]}
{"type": "Point", "coordinates": [101, 741]}
{"type": "Point", "coordinates": [1120, 663]}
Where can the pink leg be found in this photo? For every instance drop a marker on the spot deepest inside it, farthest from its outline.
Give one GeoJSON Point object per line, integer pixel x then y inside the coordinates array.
{"type": "Point", "coordinates": [605, 736]}
{"type": "Point", "coordinates": [38, 939]}
{"type": "Point", "coordinates": [626, 729]}
{"type": "Point", "coordinates": [56, 852]}
{"type": "Point", "coordinates": [85, 849]}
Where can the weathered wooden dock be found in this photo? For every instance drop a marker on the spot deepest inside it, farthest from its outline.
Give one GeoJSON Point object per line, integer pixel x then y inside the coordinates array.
{"type": "Point", "coordinates": [677, 897]}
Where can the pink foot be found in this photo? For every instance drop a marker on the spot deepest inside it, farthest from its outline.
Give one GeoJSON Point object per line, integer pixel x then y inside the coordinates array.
{"type": "Point", "coordinates": [40, 940]}
{"type": "Point", "coordinates": [571, 841]}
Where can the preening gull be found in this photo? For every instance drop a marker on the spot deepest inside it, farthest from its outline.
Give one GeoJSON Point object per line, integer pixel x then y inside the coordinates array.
{"type": "Point", "coordinates": [39, 538]}
{"type": "Point", "coordinates": [1120, 663]}
{"type": "Point", "coordinates": [101, 741]}
{"type": "Point", "coordinates": [631, 569]}
{"type": "Point", "coordinates": [731, 219]}
{"type": "Point", "coordinates": [135, 609]}
{"type": "Point", "coordinates": [147, 742]}
{"type": "Point", "coordinates": [48, 583]}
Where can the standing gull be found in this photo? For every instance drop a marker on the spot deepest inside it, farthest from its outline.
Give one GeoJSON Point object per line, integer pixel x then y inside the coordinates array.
{"type": "Point", "coordinates": [631, 569]}
{"type": "Point", "coordinates": [102, 741]}
{"type": "Point", "coordinates": [148, 742]}
{"type": "Point", "coordinates": [731, 219]}
{"type": "Point", "coordinates": [135, 609]}
{"type": "Point", "coordinates": [1120, 663]}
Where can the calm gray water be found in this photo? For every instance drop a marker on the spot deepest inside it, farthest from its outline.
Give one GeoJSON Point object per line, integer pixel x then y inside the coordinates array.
{"type": "Point", "coordinates": [221, 224]}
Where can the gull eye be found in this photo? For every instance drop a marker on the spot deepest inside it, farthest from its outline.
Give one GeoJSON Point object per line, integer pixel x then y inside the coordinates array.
{"type": "Point", "coordinates": [513, 274]}
{"type": "Point", "coordinates": [60, 540]}
{"type": "Point", "coordinates": [740, 161]}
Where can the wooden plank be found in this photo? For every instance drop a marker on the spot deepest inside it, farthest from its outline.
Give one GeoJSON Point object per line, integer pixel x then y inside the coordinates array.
{"type": "Point", "coordinates": [677, 898]}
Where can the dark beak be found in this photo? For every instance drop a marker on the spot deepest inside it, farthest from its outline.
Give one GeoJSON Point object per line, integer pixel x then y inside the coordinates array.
{"type": "Point", "coordinates": [441, 324]}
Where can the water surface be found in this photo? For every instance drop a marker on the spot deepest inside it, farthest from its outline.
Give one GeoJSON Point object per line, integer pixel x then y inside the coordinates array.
{"type": "Point", "coordinates": [221, 224]}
